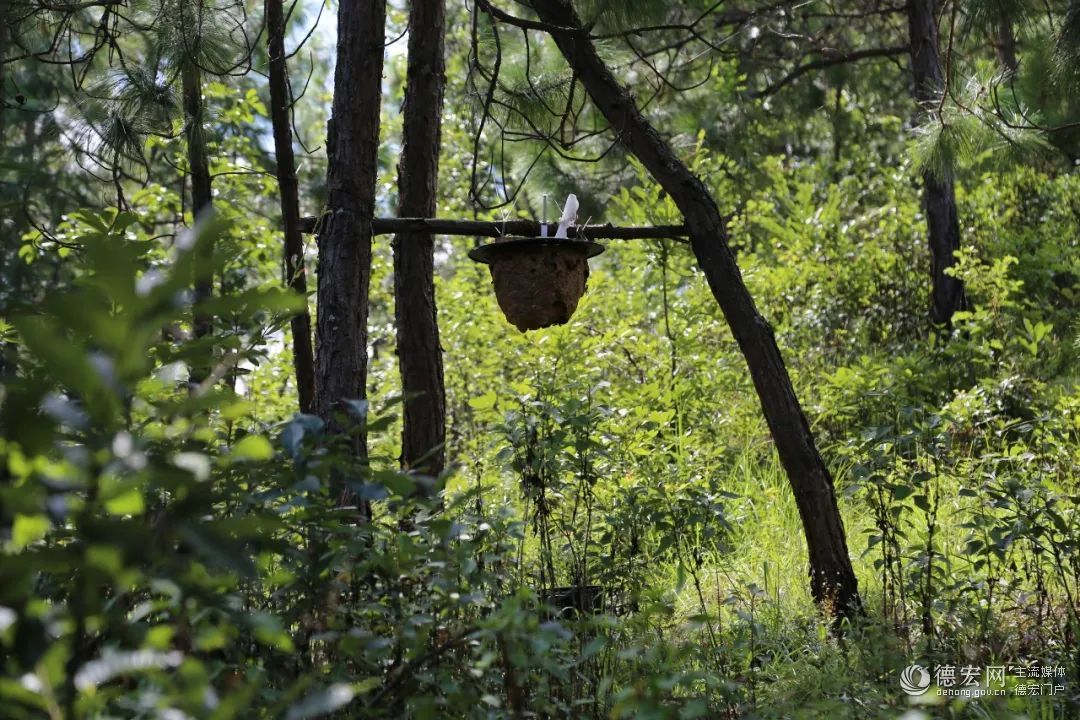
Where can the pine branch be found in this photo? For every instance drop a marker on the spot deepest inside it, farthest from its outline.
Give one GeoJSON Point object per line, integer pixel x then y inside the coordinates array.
{"type": "Point", "coordinates": [830, 61]}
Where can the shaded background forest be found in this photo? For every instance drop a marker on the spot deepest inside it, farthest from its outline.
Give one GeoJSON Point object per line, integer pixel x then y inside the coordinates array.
{"type": "Point", "coordinates": [174, 538]}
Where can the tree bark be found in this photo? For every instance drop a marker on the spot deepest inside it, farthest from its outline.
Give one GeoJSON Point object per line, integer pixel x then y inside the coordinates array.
{"type": "Point", "coordinates": [345, 236]}
{"type": "Point", "coordinates": [1006, 46]}
{"type": "Point", "coordinates": [201, 199]}
{"type": "Point", "coordinates": [3, 54]}
{"type": "Point", "coordinates": [832, 580]}
{"type": "Point", "coordinates": [295, 271]}
{"type": "Point", "coordinates": [939, 195]}
{"type": "Point", "coordinates": [419, 353]}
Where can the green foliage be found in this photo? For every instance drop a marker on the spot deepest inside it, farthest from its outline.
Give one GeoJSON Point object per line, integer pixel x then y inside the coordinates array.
{"type": "Point", "coordinates": [616, 16]}
{"type": "Point", "coordinates": [981, 123]}
{"type": "Point", "coordinates": [987, 16]}
{"type": "Point", "coordinates": [169, 551]}
{"type": "Point", "coordinates": [1068, 42]}
{"type": "Point", "coordinates": [167, 555]}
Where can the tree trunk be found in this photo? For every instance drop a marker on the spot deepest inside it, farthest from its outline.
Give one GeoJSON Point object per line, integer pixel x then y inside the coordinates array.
{"type": "Point", "coordinates": [295, 271]}
{"type": "Point", "coordinates": [8, 350]}
{"type": "Point", "coordinates": [419, 354]}
{"type": "Point", "coordinates": [832, 580]}
{"type": "Point", "coordinates": [939, 196]}
{"type": "Point", "coordinates": [1006, 47]}
{"type": "Point", "coordinates": [201, 199]}
{"type": "Point", "coordinates": [3, 53]}
{"type": "Point", "coordinates": [345, 235]}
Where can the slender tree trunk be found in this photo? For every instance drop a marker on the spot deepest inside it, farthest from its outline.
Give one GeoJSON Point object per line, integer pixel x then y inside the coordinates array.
{"type": "Point", "coordinates": [832, 580]}
{"type": "Point", "coordinates": [939, 195]}
{"type": "Point", "coordinates": [419, 354]}
{"type": "Point", "coordinates": [8, 350]}
{"type": "Point", "coordinates": [201, 199]}
{"type": "Point", "coordinates": [345, 236]}
{"type": "Point", "coordinates": [295, 271]}
{"type": "Point", "coordinates": [3, 54]}
{"type": "Point", "coordinates": [1006, 47]}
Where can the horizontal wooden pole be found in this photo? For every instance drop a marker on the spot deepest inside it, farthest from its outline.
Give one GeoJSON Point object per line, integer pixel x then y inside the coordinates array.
{"type": "Point", "coordinates": [526, 228]}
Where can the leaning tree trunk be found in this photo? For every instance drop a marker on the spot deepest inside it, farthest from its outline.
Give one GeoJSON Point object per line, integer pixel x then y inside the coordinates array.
{"type": "Point", "coordinates": [419, 354]}
{"type": "Point", "coordinates": [201, 200]}
{"type": "Point", "coordinates": [295, 272]}
{"type": "Point", "coordinates": [939, 196]}
{"type": "Point", "coordinates": [345, 235]}
{"type": "Point", "coordinates": [832, 580]}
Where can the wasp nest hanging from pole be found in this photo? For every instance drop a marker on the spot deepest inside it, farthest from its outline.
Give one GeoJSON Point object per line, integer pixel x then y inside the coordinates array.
{"type": "Point", "coordinates": [539, 280]}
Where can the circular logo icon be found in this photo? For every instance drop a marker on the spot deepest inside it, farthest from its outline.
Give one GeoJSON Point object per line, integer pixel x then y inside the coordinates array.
{"type": "Point", "coordinates": [915, 680]}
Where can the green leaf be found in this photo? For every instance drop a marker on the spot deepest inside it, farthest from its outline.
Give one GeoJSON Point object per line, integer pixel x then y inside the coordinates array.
{"type": "Point", "coordinates": [397, 483]}
{"type": "Point", "coordinates": [901, 491]}
{"type": "Point", "coordinates": [484, 402]}
{"type": "Point", "coordinates": [269, 631]}
{"type": "Point", "coordinates": [255, 448]}
{"type": "Point", "coordinates": [65, 362]}
{"type": "Point", "coordinates": [128, 502]}
{"type": "Point", "coordinates": [27, 529]}
{"type": "Point", "coordinates": [292, 436]}
{"type": "Point", "coordinates": [216, 547]}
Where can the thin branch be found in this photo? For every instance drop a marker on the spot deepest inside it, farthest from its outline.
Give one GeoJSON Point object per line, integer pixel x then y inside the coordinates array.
{"type": "Point", "coordinates": [522, 23]}
{"type": "Point", "coordinates": [830, 61]}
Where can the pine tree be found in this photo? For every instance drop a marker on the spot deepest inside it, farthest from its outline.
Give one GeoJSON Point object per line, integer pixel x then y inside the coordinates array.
{"type": "Point", "coordinates": [939, 194]}
{"type": "Point", "coordinates": [832, 579]}
{"type": "Point", "coordinates": [346, 228]}
{"type": "Point", "coordinates": [419, 354]}
{"type": "Point", "coordinates": [288, 193]}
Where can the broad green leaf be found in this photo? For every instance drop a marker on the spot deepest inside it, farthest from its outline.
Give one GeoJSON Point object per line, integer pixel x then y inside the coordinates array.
{"type": "Point", "coordinates": [255, 448]}
{"type": "Point", "coordinates": [27, 529]}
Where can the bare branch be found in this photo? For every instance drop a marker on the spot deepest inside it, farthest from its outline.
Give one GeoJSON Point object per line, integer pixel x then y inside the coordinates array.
{"type": "Point", "coordinates": [830, 61]}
